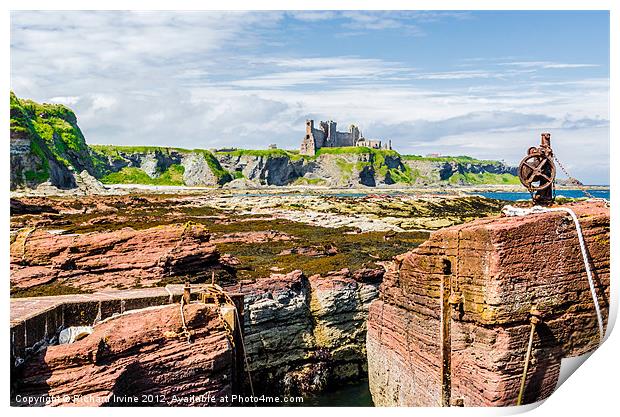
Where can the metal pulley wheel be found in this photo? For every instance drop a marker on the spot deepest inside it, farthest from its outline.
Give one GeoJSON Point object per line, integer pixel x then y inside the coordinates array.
{"type": "Point", "coordinates": [536, 171]}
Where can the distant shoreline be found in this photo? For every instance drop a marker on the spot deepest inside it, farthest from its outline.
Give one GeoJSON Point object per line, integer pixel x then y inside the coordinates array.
{"type": "Point", "coordinates": [447, 190]}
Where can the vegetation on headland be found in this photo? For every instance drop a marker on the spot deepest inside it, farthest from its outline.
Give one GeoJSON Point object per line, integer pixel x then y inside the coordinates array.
{"type": "Point", "coordinates": [221, 174]}
{"type": "Point", "coordinates": [470, 178]}
{"type": "Point", "coordinates": [264, 153]}
{"type": "Point", "coordinates": [56, 143]}
{"type": "Point", "coordinates": [118, 150]}
{"type": "Point", "coordinates": [53, 134]}
{"type": "Point", "coordinates": [132, 175]}
{"type": "Point", "coordinates": [454, 159]}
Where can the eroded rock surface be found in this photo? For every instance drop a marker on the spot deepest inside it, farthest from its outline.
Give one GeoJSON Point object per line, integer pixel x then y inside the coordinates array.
{"type": "Point", "coordinates": [494, 272]}
{"type": "Point", "coordinates": [303, 334]}
{"type": "Point", "coordinates": [134, 355]}
{"type": "Point", "coordinates": [121, 259]}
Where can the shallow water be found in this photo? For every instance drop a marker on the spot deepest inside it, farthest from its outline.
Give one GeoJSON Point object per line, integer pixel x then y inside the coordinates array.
{"type": "Point", "coordinates": [350, 395]}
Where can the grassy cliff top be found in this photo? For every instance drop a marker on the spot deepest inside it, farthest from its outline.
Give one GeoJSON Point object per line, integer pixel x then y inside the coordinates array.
{"type": "Point", "coordinates": [356, 150]}
{"type": "Point", "coordinates": [53, 133]}
{"type": "Point", "coordinates": [23, 108]}
{"type": "Point", "coordinates": [114, 150]}
{"type": "Point", "coordinates": [459, 159]}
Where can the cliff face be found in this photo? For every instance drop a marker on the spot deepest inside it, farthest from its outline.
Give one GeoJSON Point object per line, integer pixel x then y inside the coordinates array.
{"type": "Point", "coordinates": [304, 334]}
{"type": "Point", "coordinates": [158, 166]}
{"type": "Point", "coordinates": [48, 146]}
{"type": "Point", "coordinates": [459, 170]}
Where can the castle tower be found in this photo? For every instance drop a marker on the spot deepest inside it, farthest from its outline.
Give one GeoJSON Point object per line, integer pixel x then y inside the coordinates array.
{"type": "Point", "coordinates": [308, 144]}
{"type": "Point", "coordinates": [355, 133]}
{"type": "Point", "coordinates": [332, 135]}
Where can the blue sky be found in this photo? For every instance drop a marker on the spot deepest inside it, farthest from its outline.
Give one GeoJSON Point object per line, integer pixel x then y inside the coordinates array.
{"type": "Point", "coordinates": [483, 84]}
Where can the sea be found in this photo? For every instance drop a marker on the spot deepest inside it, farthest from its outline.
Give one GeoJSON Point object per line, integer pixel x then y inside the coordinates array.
{"type": "Point", "coordinates": [498, 195]}
{"type": "Point", "coordinates": [510, 196]}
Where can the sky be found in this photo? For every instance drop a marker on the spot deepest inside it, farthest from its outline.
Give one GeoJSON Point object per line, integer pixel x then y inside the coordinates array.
{"type": "Point", "coordinates": [477, 83]}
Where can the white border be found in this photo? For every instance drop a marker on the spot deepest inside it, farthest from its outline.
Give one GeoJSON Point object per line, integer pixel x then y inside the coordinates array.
{"type": "Point", "coordinates": [591, 390]}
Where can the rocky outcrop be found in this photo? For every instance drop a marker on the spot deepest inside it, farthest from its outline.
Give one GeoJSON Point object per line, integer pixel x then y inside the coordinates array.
{"type": "Point", "coordinates": [453, 320]}
{"type": "Point", "coordinates": [304, 334]}
{"type": "Point", "coordinates": [197, 171]}
{"type": "Point", "coordinates": [430, 171]}
{"type": "Point", "coordinates": [135, 359]}
{"type": "Point", "coordinates": [354, 169]}
{"type": "Point", "coordinates": [120, 259]}
{"type": "Point", "coordinates": [273, 169]}
{"type": "Point", "coordinates": [46, 145]}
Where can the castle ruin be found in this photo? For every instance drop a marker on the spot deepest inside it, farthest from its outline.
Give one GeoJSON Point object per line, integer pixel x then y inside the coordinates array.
{"type": "Point", "coordinates": [326, 136]}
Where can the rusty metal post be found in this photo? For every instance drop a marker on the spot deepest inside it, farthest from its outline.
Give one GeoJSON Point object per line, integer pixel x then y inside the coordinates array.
{"type": "Point", "coordinates": [446, 345]}
{"type": "Point", "coordinates": [535, 318]}
{"type": "Point", "coordinates": [239, 354]}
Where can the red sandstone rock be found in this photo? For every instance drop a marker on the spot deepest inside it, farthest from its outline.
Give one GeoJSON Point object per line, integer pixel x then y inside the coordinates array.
{"type": "Point", "coordinates": [119, 259]}
{"type": "Point", "coordinates": [136, 354]}
{"type": "Point", "coordinates": [496, 270]}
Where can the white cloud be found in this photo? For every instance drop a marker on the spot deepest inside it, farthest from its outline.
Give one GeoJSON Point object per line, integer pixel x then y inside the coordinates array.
{"type": "Point", "coordinates": [66, 100]}
{"type": "Point", "coordinates": [545, 65]}
{"type": "Point", "coordinates": [103, 102]}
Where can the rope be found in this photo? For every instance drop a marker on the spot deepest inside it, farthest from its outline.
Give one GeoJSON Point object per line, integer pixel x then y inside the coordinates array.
{"type": "Point", "coordinates": [170, 296]}
{"type": "Point", "coordinates": [186, 332]}
{"type": "Point", "coordinates": [516, 211]}
{"type": "Point", "coordinates": [215, 290]}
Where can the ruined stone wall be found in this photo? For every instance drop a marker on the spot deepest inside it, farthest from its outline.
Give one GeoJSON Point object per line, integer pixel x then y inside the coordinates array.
{"type": "Point", "coordinates": [344, 139]}
{"type": "Point", "coordinates": [326, 135]}
{"type": "Point", "coordinates": [452, 322]}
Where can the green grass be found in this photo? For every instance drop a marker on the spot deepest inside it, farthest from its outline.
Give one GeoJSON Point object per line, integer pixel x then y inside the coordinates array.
{"type": "Point", "coordinates": [53, 133]}
{"type": "Point", "coordinates": [345, 167]}
{"type": "Point", "coordinates": [356, 150]}
{"type": "Point", "coordinates": [237, 175]}
{"type": "Point", "coordinates": [36, 176]}
{"type": "Point", "coordinates": [116, 150]}
{"type": "Point", "coordinates": [457, 159]}
{"type": "Point", "coordinates": [408, 176]}
{"type": "Point", "coordinates": [376, 161]}
{"type": "Point", "coordinates": [132, 175]}
{"type": "Point", "coordinates": [265, 153]}
{"type": "Point", "coordinates": [222, 175]}
{"type": "Point", "coordinates": [483, 178]}
{"type": "Point", "coordinates": [309, 181]}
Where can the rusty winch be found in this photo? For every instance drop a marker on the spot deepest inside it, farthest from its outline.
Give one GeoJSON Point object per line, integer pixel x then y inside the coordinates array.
{"type": "Point", "coordinates": [537, 171]}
